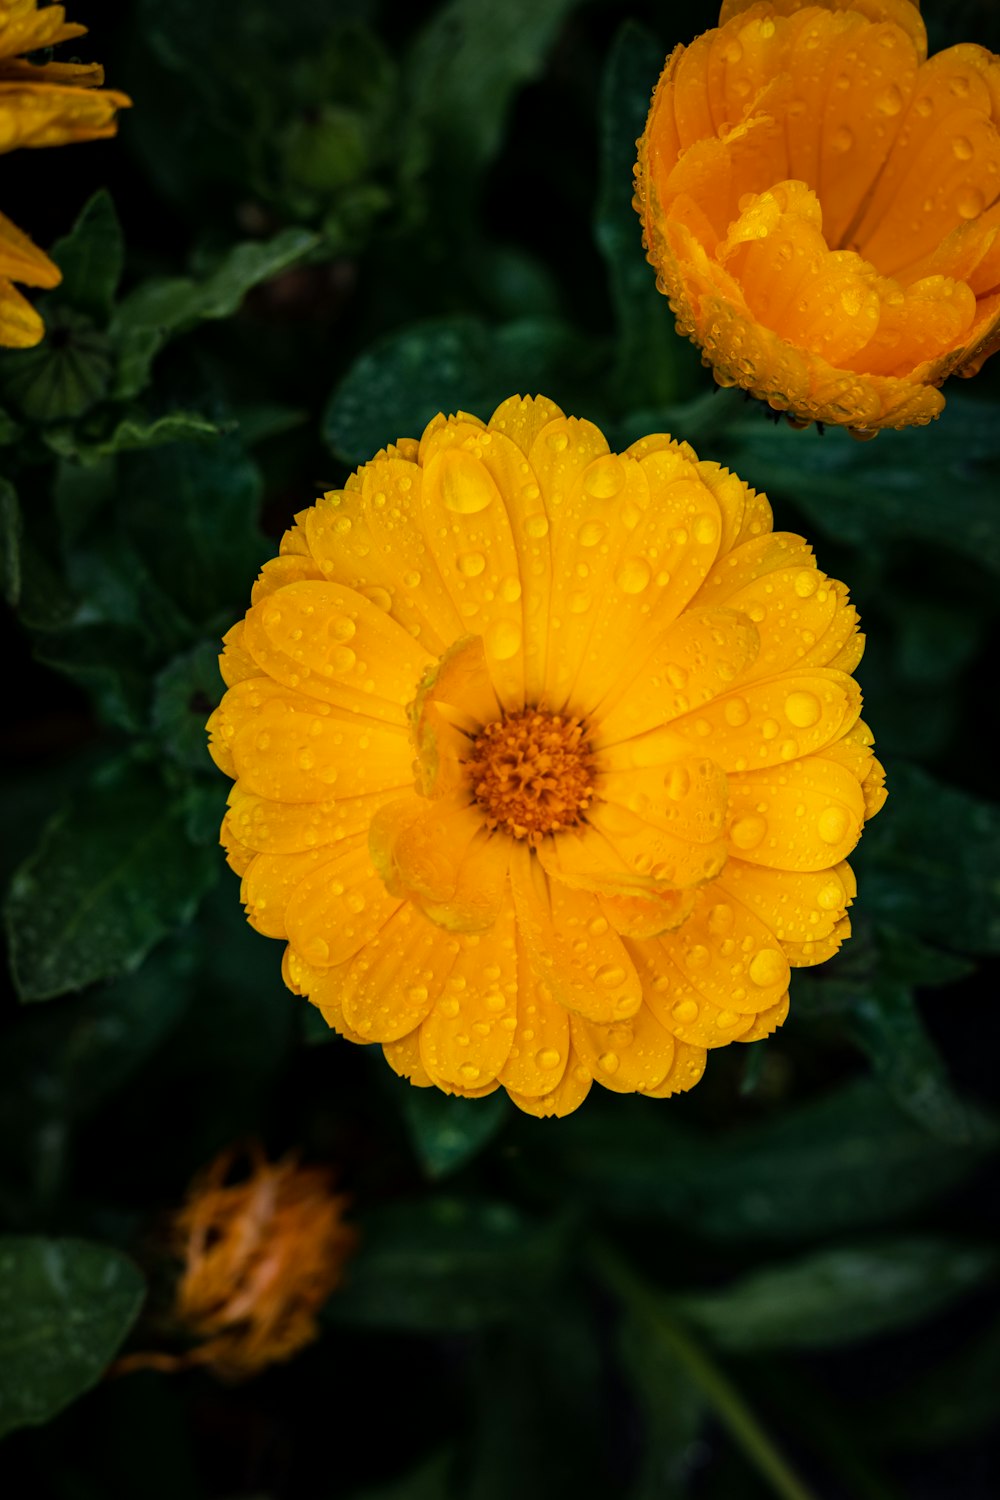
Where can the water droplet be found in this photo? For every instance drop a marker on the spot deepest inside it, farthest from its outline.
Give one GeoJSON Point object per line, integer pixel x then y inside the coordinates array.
{"type": "Point", "coordinates": [579, 603]}
{"type": "Point", "coordinates": [806, 583]}
{"type": "Point", "coordinates": [924, 106]}
{"type": "Point", "coordinates": [558, 442]}
{"type": "Point", "coordinates": [609, 1061]}
{"type": "Point", "coordinates": [412, 579]}
{"type": "Point", "coordinates": [590, 533]}
{"type": "Point", "coordinates": [747, 832]}
{"type": "Point", "coordinates": [959, 86]}
{"type": "Point", "coordinates": [832, 825]}
{"type": "Point", "coordinates": [720, 919]}
{"type": "Point", "coordinates": [605, 477]}
{"type": "Point", "coordinates": [466, 487]}
{"type": "Point", "coordinates": [598, 926]}
{"type": "Point", "coordinates": [891, 101]}
{"type": "Point", "coordinates": [341, 660]}
{"type": "Point", "coordinates": [469, 1072]}
{"type": "Point", "coordinates": [417, 993]}
{"type": "Point", "coordinates": [317, 948]}
{"type": "Point", "coordinates": [727, 1019]}
{"type": "Point", "coordinates": [677, 783]}
{"type": "Point", "coordinates": [706, 530]}
{"type": "Point", "coordinates": [962, 148]}
{"type": "Point", "coordinates": [736, 712]}
{"type": "Point", "coordinates": [548, 1059]}
{"type": "Point", "coordinates": [610, 975]}
{"type": "Point", "coordinates": [537, 525]}
{"type": "Point", "coordinates": [768, 967]}
{"type": "Point", "coordinates": [633, 575]}
{"type": "Point", "coordinates": [831, 896]}
{"type": "Point", "coordinates": [471, 564]}
{"type": "Point", "coordinates": [732, 51]}
{"type": "Point", "coordinates": [685, 1011]}
{"type": "Point", "coordinates": [510, 590]}
{"type": "Point", "coordinates": [503, 640]}
{"type": "Point", "coordinates": [448, 1007]}
{"type": "Point", "coordinates": [970, 203]}
{"type": "Point", "coordinates": [697, 956]}
{"type": "Point", "coordinates": [802, 709]}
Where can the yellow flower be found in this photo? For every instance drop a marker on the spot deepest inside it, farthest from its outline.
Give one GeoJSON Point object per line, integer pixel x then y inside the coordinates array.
{"type": "Point", "coordinates": [547, 760]}
{"type": "Point", "coordinates": [47, 104]}
{"type": "Point", "coordinates": [820, 202]}
{"type": "Point", "coordinates": [261, 1253]}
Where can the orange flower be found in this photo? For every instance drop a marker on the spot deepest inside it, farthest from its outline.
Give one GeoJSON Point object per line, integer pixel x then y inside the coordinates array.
{"type": "Point", "coordinates": [548, 760]}
{"type": "Point", "coordinates": [261, 1255]}
{"type": "Point", "coordinates": [819, 200]}
{"type": "Point", "coordinates": [48, 104]}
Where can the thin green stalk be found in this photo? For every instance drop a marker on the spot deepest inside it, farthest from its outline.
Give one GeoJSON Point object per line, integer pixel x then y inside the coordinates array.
{"type": "Point", "coordinates": [726, 1401]}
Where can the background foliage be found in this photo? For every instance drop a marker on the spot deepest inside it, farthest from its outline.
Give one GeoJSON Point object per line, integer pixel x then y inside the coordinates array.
{"type": "Point", "coordinates": [322, 223]}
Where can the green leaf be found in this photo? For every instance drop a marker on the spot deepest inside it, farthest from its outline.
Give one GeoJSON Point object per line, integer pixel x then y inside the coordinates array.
{"type": "Point", "coordinates": [649, 351]}
{"type": "Point", "coordinates": [957, 1398]}
{"type": "Point", "coordinates": [875, 494]}
{"type": "Point", "coordinates": [184, 695]}
{"type": "Point", "coordinates": [887, 1025]}
{"type": "Point", "coordinates": [10, 544]}
{"type": "Point", "coordinates": [673, 1409]}
{"type": "Point", "coordinates": [428, 1481]}
{"type": "Point", "coordinates": [447, 1264]}
{"type": "Point", "coordinates": [929, 863]}
{"type": "Point", "coordinates": [109, 662]}
{"type": "Point", "coordinates": [65, 1307]}
{"type": "Point", "coordinates": [452, 364]}
{"type": "Point", "coordinates": [161, 309]}
{"type": "Point", "coordinates": [112, 875]}
{"type": "Point", "coordinates": [190, 510]}
{"type": "Point", "coordinates": [65, 375]}
{"type": "Point", "coordinates": [468, 64]}
{"type": "Point", "coordinates": [848, 1160]}
{"type": "Point", "coordinates": [132, 431]}
{"type": "Point", "coordinates": [447, 1132]}
{"type": "Point", "coordinates": [91, 258]}
{"type": "Point", "coordinates": [839, 1296]}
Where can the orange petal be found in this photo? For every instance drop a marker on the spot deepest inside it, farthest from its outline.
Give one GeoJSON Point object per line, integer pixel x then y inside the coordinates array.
{"type": "Point", "coordinates": [807, 815]}
{"type": "Point", "coordinates": [467, 1036]}
{"type": "Point", "coordinates": [626, 1056]}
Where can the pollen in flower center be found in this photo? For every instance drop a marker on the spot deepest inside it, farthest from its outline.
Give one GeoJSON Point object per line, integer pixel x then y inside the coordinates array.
{"type": "Point", "coordinates": [532, 773]}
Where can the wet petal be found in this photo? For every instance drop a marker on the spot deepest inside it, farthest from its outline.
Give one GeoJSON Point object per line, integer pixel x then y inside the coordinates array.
{"type": "Point", "coordinates": [467, 1036]}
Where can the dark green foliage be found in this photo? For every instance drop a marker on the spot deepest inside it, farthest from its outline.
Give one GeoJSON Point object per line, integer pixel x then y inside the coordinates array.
{"type": "Point", "coordinates": [321, 225]}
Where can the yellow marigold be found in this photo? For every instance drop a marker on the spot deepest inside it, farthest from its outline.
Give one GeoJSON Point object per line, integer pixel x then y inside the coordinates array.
{"type": "Point", "coordinates": [547, 760]}
{"type": "Point", "coordinates": [819, 199]}
{"type": "Point", "coordinates": [260, 1253]}
{"type": "Point", "coordinates": [46, 104]}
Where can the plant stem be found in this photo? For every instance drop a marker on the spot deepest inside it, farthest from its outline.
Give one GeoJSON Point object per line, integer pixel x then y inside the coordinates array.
{"type": "Point", "coordinates": [726, 1401]}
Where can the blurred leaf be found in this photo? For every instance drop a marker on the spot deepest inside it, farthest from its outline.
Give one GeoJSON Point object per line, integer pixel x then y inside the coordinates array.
{"type": "Point", "coordinates": [928, 864]}
{"type": "Point", "coordinates": [113, 874]}
{"type": "Point", "coordinates": [673, 1409]}
{"type": "Point", "coordinates": [875, 493]}
{"type": "Point", "coordinates": [91, 258]}
{"type": "Point", "coordinates": [447, 1264]}
{"type": "Point", "coordinates": [454, 364]}
{"type": "Point", "coordinates": [184, 695]}
{"type": "Point", "coordinates": [958, 1397]}
{"type": "Point", "coordinates": [10, 544]}
{"type": "Point", "coordinates": [159, 310]}
{"type": "Point", "coordinates": [838, 1296]}
{"type": "Point", "coordinates": [190, 510]}
{"type": "Point", "coordinates": [428, 1481]}
{"type": "Point", "coordinates": [65, 1307]}
{"type": "Point", "coordinates": [888, 1027]}
{"type": "Point", "coordinates": [849, 1159]}
{"type": "Point", "coordinates": [65, 375]}
{"type": "Point", "coordinates": [109, 663]}
{"type": "Point", "coordinates": [446, 1132]}
{"type": "Point", "coordinates": [649, 350]}
{"type": "Point", "coordinates": [467, 65]}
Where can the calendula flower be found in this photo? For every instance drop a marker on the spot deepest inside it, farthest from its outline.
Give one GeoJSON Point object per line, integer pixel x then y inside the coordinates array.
{"type": "Point", "coordinates": [547, 759]}
{"type": "Point", "coordinates": [819, 200]}
{"type": "Point", "coordinates": [41, 104]}
{"type": "Point", "coordinates": [260, 1254]}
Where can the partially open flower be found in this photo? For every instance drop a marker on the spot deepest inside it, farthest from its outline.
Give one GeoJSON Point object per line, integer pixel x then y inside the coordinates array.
{"type": "Point", "coordinates": [819, 200]}
{"type": "Point", "coordinates": [547, 760]}
{"type": "Point", "coordinates": [261, 1251]}
{"type": "Point", "coordinates": [41, 104]}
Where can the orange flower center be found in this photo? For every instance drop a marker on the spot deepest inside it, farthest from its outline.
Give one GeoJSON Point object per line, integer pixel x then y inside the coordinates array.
{"type": "Point", "coordinates": [532, 773]}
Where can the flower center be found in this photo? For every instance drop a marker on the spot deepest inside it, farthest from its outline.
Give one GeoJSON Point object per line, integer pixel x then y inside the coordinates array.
{"type": "Point", "coordinates": [532, 773]}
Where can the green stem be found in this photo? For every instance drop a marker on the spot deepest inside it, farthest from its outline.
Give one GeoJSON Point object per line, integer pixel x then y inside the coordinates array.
{"type": "Point", "coordinates": [729, 1406]}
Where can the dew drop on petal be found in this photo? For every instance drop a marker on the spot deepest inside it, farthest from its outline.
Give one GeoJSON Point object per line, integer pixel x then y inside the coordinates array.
{"type": "Point", "coordinates": [768, 967]}
{"type": "Point", "coordinates": [962, 148]}
{"type": "Point", "coordinates": [503, 639]}
{"type": "Point", "coordinates": [633, 575]}
{"type": "Point", "coordinates": [747, 832]}
{"type": "Point", "coordinates": [471, 564]}
{"type": "Point", "coordinates": [736, 712]}
{"type": "Point", "coordinates": [842, 139]}
{"type": "Point", "coordinates": [802, 709]}
{"type": "Point", "coordinates": [609, 1061]}
{"type": "Point", "coordinates": [970, 203]}
{"type": "Point", "coordinates": [548, 1059]}
{"type": "Point", "coordinates": [685, 1011]}
{"type": "Point", "coordinates": [590, 533]}
{"type": "Point", "coordinates": [832, 825]}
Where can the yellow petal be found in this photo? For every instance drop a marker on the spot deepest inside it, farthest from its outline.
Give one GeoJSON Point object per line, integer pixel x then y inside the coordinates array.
{"type": "Point", "coordinates": [540, 1049]}
{"type": "Point", "coordinates": [562, 1100]}
{"type": "Point", "coordinates": [467, 1036]}
{"type": "Point", "coordinates": [728, 955]}
{"type": "Point", "coordinates": [389, 987]}
{"type": "Point", "coordinates": [627, 1056]}
{"type": "Point", "coordinates": [768, 723]}
{"type": "Point", "coordinates": [798, 906]}
{"type": "Point", "coordinates": [337, 908]}
{"type": "Point", "coordinates": [806, 815]}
